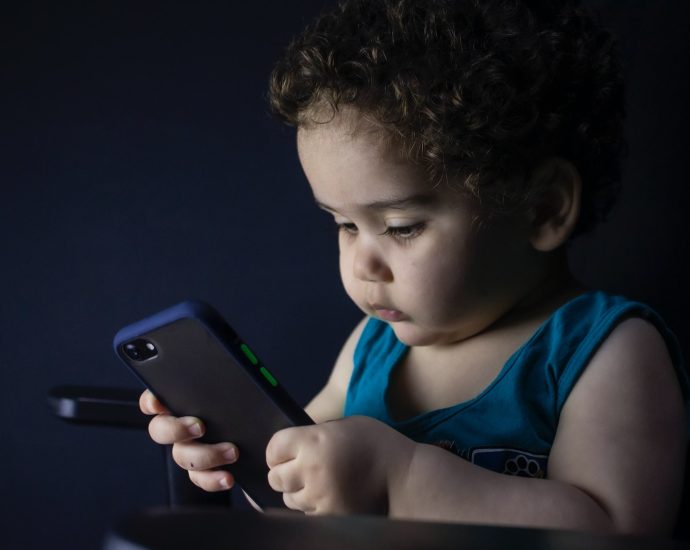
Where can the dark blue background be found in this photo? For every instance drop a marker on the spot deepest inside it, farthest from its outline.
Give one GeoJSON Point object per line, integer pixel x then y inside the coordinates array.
{"type": "Point", "coordinates": [139, 167]}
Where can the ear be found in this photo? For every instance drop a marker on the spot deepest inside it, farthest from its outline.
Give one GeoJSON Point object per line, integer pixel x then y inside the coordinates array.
{"type": "Point", "coordinates": [556, 206]}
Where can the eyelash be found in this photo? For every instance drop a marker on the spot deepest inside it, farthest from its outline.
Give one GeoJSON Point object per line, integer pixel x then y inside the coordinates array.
{"type": "Point", "coordinates": [402, 233]}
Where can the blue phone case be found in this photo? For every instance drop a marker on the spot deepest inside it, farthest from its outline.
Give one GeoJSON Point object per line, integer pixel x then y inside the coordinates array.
{"type": "Point", "coordinates": [196, 365]}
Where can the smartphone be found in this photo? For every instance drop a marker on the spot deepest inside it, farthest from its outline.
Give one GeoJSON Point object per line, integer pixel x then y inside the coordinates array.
{"type": "Point", "coordinates": [196, 365]}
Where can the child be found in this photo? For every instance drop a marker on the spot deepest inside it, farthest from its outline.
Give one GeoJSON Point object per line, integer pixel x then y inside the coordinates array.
{"type": "Point", "coordinates": [459, 146]}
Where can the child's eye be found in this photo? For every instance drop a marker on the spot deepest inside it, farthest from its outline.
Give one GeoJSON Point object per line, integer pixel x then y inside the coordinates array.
{"type": "Point", "coordinates": [405, 232]}
{"type": "Point", "coordinates": [347, 228]}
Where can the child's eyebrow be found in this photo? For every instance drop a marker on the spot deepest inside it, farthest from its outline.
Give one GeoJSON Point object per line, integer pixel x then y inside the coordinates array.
{"type": "Point", "coordinates": [422, 199]}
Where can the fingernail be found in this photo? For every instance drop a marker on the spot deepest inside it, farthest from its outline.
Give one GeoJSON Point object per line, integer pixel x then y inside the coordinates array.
{"type": "Point", "coordinates": [230, 455]}
{"type": "Point", "coordinates": [224, 483]}
{"type": "Point", "coordinates": [148, 404]}
{"type": "Point", "coordinates": [194, 429]}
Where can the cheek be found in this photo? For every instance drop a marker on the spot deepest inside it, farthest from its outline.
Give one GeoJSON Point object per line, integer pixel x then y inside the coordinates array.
{"type": "Point", "coordinates": [435, 284]}
{"type": "Point", "coordinates": [438, 283]}
{"type": "Point", "coordinates": [436, 269]}
{"type": "Point", "coordinates": [347, 276]}
{"type": "Point", "coordinates": [343, 265]}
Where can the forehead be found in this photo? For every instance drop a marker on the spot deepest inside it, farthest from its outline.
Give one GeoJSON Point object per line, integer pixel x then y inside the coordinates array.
{"type": "Point", "coordinates": [357, 164]}
{"type": "Point", "coordinates": [352, 135]}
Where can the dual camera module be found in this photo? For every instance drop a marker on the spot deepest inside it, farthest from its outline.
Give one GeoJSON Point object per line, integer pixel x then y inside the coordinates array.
{"type": "Point", "coordinates": [140, 349]}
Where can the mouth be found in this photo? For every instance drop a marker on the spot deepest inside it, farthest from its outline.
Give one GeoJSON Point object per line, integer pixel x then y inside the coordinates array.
{"type": "Point", "coordinates": [388, 314]}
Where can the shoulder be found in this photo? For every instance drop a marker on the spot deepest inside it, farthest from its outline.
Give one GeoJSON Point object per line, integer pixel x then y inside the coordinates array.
{"type": "Point", "coordinates": [633, 358]}
{"type": "Point", "coordinates": [635, 340]}
{"type": "Point", "coordinates": [597, 328]}
{"type": "Point", "coordinates": [342, 371]}
{"type": "Point", "coordinates": [330, 401]}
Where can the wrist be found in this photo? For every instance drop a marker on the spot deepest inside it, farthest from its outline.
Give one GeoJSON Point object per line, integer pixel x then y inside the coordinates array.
{"type": "Point", "coordinates": [399, 475]}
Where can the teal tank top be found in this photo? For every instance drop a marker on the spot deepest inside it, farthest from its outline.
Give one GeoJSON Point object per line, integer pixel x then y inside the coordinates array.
{"type": "Point", "coordinates": [510, 426]}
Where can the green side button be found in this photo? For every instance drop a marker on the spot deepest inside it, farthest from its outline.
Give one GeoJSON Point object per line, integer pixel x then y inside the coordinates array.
{"type": "Point", "coordinates": [245, 349]}
{"type": "Point", "coordinates": [268, 376]}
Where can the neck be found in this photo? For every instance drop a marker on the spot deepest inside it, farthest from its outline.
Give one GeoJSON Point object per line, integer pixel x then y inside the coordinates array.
{"type": "Point", "coordinates": [554, 287]}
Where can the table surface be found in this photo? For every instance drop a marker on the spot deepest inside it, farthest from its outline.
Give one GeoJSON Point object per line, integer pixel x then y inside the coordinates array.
{"type": "Point", "coordinates": [204, 529]}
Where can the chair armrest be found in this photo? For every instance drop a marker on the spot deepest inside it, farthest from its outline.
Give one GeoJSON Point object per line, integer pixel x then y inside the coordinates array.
{"type": "Point", "coordinates": [98, 406]}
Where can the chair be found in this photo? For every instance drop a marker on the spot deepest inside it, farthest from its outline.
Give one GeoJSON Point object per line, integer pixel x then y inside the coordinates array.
{"type": "Point", "coordinates": [119, 407]}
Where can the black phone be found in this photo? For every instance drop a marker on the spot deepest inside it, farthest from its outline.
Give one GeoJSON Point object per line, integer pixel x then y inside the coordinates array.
{"type": "Point", "coordinates": [196, 365]}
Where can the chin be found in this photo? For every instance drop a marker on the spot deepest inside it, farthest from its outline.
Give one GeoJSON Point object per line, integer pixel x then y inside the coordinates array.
{"type": "Point", "coordinates": [412, 335]}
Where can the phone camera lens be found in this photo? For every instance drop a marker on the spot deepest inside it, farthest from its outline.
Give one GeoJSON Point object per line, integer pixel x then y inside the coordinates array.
{"type": "Point", "coordinates": [140, 349]}
{"type": "Point", "coordinates": [132, 351]}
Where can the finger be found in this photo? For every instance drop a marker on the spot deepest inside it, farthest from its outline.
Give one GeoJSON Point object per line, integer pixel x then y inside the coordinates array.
{"type": "Point", "coordinates": [167, 429]}
{"type": "Point", "coordinates": [149, 404]}
{"type": "Point", "coordinates": [283, 446]}
{"type": "Point", "coordinates": [298, 501]}
{"type": "Point", "coordinates": [203, 456]}
{"type": "Point", "coordinates": [286, 478]}
{"type": "Point", "coordinates": [212, 480]}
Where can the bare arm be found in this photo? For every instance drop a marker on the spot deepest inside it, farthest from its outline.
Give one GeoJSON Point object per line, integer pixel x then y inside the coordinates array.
{"type": "Point", "coordinates": [616, 464]}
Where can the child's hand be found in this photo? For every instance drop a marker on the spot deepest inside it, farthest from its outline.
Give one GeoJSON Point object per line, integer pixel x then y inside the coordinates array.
{"type": "Point", "coordinates": [198, 458]}
{"type": "Point", "coordinates": [338, 467]}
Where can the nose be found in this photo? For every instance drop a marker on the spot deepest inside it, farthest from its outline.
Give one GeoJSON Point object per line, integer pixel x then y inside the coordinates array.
{"type": "Point", "coordinates": [370, 265]}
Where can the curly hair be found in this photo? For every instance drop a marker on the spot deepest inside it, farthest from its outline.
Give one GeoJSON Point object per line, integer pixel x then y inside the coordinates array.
{"type": "Point", "coordinates": [478, 91]}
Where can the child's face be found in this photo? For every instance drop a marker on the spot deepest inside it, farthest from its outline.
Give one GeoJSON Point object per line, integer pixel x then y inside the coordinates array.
{"type": "Point", "coordinates": [411, 253]}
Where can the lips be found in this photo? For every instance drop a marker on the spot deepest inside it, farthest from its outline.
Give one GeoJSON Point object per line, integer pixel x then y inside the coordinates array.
{"type": "Point", "coordinates": [388, 314]}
